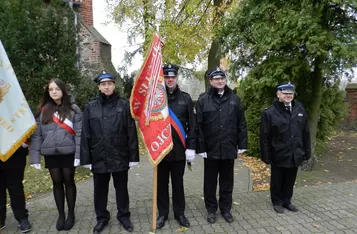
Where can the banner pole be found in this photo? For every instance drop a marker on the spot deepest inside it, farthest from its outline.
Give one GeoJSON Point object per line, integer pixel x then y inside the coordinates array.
{"type": "Point", "coordinates": [154, 199]}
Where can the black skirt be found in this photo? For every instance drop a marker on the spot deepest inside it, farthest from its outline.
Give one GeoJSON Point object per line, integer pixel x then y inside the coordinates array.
{"type": "Point", "coordinates": [59, 161]}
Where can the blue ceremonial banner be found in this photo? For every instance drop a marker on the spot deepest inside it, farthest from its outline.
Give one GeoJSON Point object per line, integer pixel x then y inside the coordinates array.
{"type": "Point", "coordinates": [16, 119]}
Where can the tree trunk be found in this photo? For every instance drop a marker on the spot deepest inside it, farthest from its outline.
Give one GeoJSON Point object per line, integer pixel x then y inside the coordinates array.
{"type": "Point", "coordinates": [315, 105]}
{"type": "Point", "coordinates": [213, 56]}
{"type": "Point", "coordinates": [148, 19]}
{"type": "Point", "coordinates": [213, 59]}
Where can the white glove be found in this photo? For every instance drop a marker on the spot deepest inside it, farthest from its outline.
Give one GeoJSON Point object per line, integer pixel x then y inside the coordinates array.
{"type": "Point", "coordinates": [37, 166]}
{"type": "Point", "coordinates": [76, 162]}
{"type": "Point", "coordinates": [24, 145]}
{"type": "Point", "coordinates": [203, 155]}
{"type": "Point", "coordinates": [133, 164]}
{"type": "Point", "coordinates": [88, 166]}
{"type": "Point", "coordinates": [241, 151]}
{"type": "Point", "coordinates": [190, 155]}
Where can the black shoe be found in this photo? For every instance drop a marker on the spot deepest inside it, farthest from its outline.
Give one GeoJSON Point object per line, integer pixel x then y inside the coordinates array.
{"type": "Point", "coordinates": [291, 207]}
{"type": "Point", "coordinates": [211, 218]}
{"type": "Point", "coordinates": [127, 225]}
{"type": "Point", "coordinates": [60, 223]}
{"type": "Point", "coordinates": [228, 217]}
{"type": "Point", "coordinates": [278, 209]}
{"type": "Point", "coordinates": [183, 221]}
{"type": "Point", "coordinates": [69, 222]}
{"type": "Point", "coordinates": [160, 222]}
{"type": "Point", "coordinates": [24, 225]}
{"type": "Point", "coordinates": [99, 227]}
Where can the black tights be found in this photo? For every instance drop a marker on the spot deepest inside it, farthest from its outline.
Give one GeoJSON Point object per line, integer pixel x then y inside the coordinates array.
{"type": "Point", "coordinates": [60, 177]}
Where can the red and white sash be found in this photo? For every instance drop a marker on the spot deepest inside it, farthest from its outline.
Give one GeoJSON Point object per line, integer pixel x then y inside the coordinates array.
{"type": "Point", "coordinates": [66, 124]}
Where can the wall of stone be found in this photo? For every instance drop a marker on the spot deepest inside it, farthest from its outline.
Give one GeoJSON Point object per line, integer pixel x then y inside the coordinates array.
{"type": "Point", "coordinates": [94, 56]}
{"type": "Point", "coordinates": [88, 52]}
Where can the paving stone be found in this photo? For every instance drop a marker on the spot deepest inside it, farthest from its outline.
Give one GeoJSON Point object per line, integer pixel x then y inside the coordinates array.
{"type": "Point", "coordinates": [323, 208]}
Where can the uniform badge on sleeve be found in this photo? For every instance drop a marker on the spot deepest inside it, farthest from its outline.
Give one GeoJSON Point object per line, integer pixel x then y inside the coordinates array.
{"type": "Point", "coordinates": [300, 115]}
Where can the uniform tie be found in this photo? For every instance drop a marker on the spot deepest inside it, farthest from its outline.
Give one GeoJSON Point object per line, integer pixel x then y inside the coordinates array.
{"type": "Point", "coordinates": [288, 108]}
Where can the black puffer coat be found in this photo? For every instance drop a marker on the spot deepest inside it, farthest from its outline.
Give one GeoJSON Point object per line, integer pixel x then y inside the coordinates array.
{"type": "Point", "coordinates": [285, 137]}
{"type": "Point", "coordinates": [109, 140]}
{"type": "Point", "coordinates": [221, 125]}
{"type": "Point", "coordinates": [181, 104]}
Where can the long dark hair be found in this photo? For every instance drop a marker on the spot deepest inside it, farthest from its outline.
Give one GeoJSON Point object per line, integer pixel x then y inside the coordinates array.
{"type": "Point", "coordinates": [48, 106]}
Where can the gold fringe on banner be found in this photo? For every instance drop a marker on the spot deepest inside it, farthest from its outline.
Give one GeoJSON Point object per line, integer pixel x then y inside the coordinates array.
{"type": "Point", "coordinates": [18, 144]}
{"type": "Point", "coordinates": [156, 162]}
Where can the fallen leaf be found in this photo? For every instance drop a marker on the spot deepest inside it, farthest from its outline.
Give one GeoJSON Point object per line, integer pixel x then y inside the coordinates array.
{"type": "Point", "coordinates": [235, 203]}
{"type": "Point", "coordinates": [326, 170]}
{"type": "Point", "coordinates": [315, 225]}
{"type": "Point", "coordinates": [182, 229]}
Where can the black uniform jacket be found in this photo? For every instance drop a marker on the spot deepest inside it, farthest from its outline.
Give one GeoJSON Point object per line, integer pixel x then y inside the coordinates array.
{"type": "Point", "coordinates": [109, 139]}
{"type": "Point", "coordinates": [181, 104]}
{"type": "Point", "coordinates": [221, 125]}
{"type": "Point", "coordinates": [285, 137]}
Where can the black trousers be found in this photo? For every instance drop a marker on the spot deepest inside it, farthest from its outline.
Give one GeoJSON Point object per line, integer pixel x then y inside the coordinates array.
{"type": "Point", "coordinates": [224, 170]}
{"type": "Point", "coordinates": [101, 188]}
{"type": "Point", "coordinates": [11, 177]}
{"type": "Point", "coordinates": [282, 182]}
{"type": "Point", "coordinates": [177, 170]}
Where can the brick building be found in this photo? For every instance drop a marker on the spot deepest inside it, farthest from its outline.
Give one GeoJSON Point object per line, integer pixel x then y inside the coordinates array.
{"type": "Point", "coordinates": [94, 51]}
{"type": "Point", "coordinates": [351, 99]}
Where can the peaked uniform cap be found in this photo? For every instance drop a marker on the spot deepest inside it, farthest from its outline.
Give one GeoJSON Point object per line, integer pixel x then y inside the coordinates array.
{"type": "Point", "coordinates": [104, 77]}
{"type": "Point", "coordinates": [170, 70]}
{"type": "Point", "coordinates": [217, 73]}
{"type": "Point", "coordinates": [286, 87]}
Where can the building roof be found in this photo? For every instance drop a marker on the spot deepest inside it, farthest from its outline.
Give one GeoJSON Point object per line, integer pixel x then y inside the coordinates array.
{"type": "Point", "coordinates": [351, 86]}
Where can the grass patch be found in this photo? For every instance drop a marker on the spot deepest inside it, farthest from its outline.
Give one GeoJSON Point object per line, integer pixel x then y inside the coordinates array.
{"type": "Point", "coordinates": [39, 181]}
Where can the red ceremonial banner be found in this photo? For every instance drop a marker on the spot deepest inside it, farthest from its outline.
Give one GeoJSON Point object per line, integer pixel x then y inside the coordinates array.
{"type": "Point", "coordinates": [148, 105]}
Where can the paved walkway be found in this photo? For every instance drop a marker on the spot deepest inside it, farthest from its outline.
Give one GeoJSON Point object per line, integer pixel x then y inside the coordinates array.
{"type": "Point", "coordinates": [323, 208]}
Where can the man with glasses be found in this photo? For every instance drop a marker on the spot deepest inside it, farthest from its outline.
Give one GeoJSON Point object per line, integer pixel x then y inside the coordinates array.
{"type": "Point", "coordinates": [183, 136]}
{"type": "Point", "coordinates": [285, 144]}
{"type": "Point", "coordinates": [221, 129]}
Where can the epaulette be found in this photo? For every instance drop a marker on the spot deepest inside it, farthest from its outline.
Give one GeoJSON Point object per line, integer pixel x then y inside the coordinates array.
{"type": "Point", "coordinates": [93, 101]}
{"type": "Point", "coordinates": [201, 94]}
{"type": "Point", "coordinates": [185, 93]}
{"type": "Point", "coordinates": [268, 107]}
